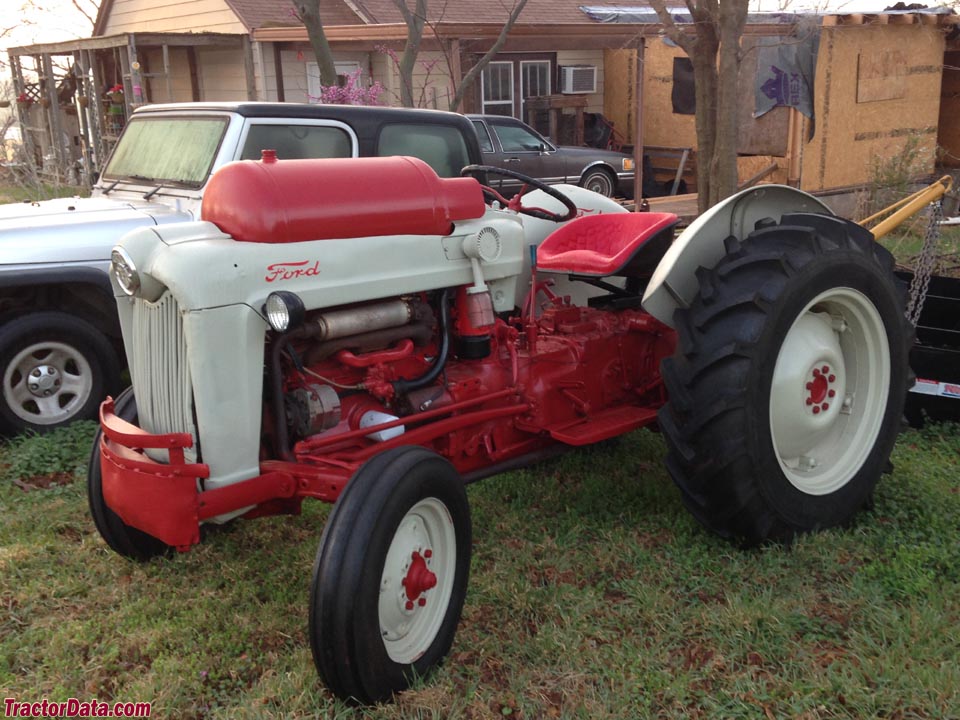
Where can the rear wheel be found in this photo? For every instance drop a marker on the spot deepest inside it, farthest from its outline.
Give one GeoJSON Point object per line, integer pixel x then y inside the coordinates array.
{"type": "Point", "coordinates": [391, 575]}
{"type": "Point", "coordinates": [123, 539]}
{"type": "Point", "coordinates": [788, 384]}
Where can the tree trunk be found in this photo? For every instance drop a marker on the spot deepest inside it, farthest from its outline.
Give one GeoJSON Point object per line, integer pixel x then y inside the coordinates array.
{"type": "Point", "coordinates": [714, 39]}
{"type": "Point", "coordinates": [309, 13]}
{"type": "Point", "coordinates": [415, 20]}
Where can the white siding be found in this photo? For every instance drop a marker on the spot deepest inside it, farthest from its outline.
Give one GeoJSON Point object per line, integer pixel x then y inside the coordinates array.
{"type": "Point", "coordinates": [294, 64]}
{"type": "Point", "coordinates": [172, 16]}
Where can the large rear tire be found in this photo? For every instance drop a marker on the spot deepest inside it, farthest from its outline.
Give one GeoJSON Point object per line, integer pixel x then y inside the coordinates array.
{"type": "Point", "coordinates": [788, 383]}
{"type": "Point", "coordinates": [391, 575]}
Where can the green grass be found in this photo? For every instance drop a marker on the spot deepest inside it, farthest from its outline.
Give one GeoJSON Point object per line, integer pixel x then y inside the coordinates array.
{"type": "Point", "coordinates": [593, 594]}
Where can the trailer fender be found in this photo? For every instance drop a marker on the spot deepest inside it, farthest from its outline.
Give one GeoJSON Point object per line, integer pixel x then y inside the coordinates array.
{"type": "Point", "coordinates": [674, 283]}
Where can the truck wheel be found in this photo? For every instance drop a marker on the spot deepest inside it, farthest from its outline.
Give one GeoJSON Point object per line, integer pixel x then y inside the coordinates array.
{"type": "Point", "coordinates": [56, 368]}
{"type": "Point", "coordinates": [788, 384]}
{"type": "Point", "coordinates": [390, 575]}
{"type": "Point", "coordinates": [599, 181]}
{"type": "Point", "coordinates": [122, 538]}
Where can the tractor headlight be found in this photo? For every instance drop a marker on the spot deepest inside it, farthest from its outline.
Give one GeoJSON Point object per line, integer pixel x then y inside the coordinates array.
{"type": "Point", "coordinates": [627, 164]}
{"type": "Point", "coordinates": [284, 310]}
{"type": "Point", "coordinates": [124, 271]}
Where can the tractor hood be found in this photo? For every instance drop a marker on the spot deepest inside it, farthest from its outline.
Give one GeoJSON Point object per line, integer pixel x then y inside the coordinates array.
{"type": "Point", "coordinates": [74, 229]}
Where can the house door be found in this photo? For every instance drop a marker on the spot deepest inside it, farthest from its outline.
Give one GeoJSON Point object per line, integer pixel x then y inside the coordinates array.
{"type": "Point", "coordinates": [511, 78]}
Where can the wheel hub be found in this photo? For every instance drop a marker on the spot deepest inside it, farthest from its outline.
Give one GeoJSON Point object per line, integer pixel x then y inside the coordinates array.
{"type": "Point", "coordinates": [43, 380]}
{"type": "Point", "coordinates": [419, 579]}
{"type": "Point", "coordinates": [830, 385]}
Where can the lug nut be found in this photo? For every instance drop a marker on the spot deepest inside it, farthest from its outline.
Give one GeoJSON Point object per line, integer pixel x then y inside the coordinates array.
{"type": "Point", "coordinates": [809, 401]}
{"type": "Point", "coordinates": [428, 554]}
{"type": "Point", "coordinates": [421, 602]}
{"type": "Point", "coordinates": [816, 411]}
{"type": "Point", "coordinates": [826, 369]}
{"type": "Point", "coordinates": [409, 604]}
{"type": "Point", "coordinates": [832, 378]}
{"type": "Point", "coordinates": [826, 407]}
{"type": "Point", "coordinates": [832, 393]}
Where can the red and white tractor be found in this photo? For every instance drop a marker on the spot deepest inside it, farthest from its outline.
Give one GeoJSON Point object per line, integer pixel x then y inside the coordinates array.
{"type": "Point", "coordinates": [366, 333]}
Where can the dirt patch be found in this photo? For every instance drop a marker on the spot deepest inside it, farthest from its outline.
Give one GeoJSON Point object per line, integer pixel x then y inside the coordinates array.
{"type": "Point", "coordinates": [44, 482]}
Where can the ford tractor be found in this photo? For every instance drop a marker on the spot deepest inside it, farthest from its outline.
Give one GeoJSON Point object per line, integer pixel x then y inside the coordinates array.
{"type": "Point", "coordinates": [366, 333]}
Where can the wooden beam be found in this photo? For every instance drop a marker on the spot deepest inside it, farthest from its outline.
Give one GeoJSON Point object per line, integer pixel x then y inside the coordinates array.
{"type": "Point", "coordinates": [194, 76]}
{"type": "Point", "coordinates": [278, 71]}
{"type": "Point", "coordinates": [67, 47]}
{"type": "Point", "coordinates": [168, 83]}
{"type": "Point", "coordinates": [248, 72]}
{"type": "Point", "coordinates": [638, 130]}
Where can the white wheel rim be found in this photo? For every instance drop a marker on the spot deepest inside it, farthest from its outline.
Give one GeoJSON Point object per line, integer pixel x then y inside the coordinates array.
{"type": "Point", "coordinates": [47, 383]}
{"type": "Point", "coordinates": [829, 391]}
{"type": "Point", "coordinates": [424, 545]}
{"type": "Point", "coordinates": [600, 184]}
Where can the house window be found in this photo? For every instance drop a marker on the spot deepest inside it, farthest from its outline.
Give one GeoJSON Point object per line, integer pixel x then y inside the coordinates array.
{"type": "Point", "coordinates": [344, 70]}
{"type": "Point", "coordinates": [512, 78]}
{"type": "Point", "coordinates": [497, 86]}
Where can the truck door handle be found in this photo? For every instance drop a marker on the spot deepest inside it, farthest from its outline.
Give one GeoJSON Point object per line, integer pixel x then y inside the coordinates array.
{"type": "Point", "coordinates": [514, 159]}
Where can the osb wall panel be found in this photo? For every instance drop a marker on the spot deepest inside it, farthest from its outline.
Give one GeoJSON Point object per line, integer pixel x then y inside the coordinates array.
{"type": "Point", "coordinates": [849, 134]}
{"type": "Point", "coordinates": [620, 88]}
{"type": "Point", "coordinates": [750, 165]}
{"type": "Point", "coordinates": [949, 134]}
{"type": "Point", "coordinates": [180, 90]}
{"type": "Point", "coordinates": [764, 135]}
{"type": "Point", "coordinates": [660, 125]}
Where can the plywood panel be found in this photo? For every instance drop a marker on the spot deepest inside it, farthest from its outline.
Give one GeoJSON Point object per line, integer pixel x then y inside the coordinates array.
{"type": "Point", "coordinates": [660, 125]}
{"type": "Point", "coordinates": [222, 76]}
{"type": "Point", "coordinates": [620, 88]}
{"type": "Point", "coordinates": [948, 137]}
{"type": "Point", "coordinates": [881, 75]}
{"type": "Point", "coordinates": [156, 84]}
{"type": "Point", "coordinates": [849, 136]}
{"type": "Point", "coordinates": [750, 165]}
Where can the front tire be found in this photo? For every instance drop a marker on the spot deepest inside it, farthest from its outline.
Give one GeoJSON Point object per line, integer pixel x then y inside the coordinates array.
{"type": "Point", "coordinates": [55, 368]}
{"type": "Point", "coordinates": [599, 181]}
{"type": "Point", "coordinates": [123, 539]}
{"type": "Point", "coordinates": [788, 384]}
{"type": "Point", "coordinates": [390, 575]}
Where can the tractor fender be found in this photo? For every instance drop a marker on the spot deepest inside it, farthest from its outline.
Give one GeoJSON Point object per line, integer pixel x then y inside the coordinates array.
{"type": "Point", "coordinates": [674, 283]}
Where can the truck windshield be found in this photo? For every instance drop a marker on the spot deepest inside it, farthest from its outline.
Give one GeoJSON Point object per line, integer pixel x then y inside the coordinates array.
{"type": "Point", "coordinates": [167, 150]}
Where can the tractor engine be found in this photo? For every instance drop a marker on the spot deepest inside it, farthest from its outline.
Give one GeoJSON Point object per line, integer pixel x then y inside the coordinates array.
{"type": "Point", "coordinates": [349, 379]}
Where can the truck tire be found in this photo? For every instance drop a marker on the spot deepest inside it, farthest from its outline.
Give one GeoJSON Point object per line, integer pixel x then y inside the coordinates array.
{"type": "Point", "coordinates": [391, 575]}
{"type": "Point", "coordinates": [599, 181]}
{"type": "Point", "coordinates": [55, 368]}
{"type": "Point", "coordinates": [788, 383]}
{"type": "Point", "coordinates": [123, 539]}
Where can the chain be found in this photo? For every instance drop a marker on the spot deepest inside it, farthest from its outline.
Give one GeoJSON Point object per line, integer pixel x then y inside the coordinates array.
{"type": "Point", "coordinates": [924, 265]}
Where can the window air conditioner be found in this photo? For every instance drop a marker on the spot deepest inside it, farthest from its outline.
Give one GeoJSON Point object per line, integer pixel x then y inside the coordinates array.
{"type": "Point", "coordinates": [575, 79]}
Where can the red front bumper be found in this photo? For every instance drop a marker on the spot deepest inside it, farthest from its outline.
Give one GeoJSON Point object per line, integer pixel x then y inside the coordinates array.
{"type": "Point", "coordinates": [161, 499]}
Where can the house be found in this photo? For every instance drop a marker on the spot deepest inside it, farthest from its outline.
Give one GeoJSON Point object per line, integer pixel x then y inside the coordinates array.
{"type": "Point", "coordinates": [879, 78]}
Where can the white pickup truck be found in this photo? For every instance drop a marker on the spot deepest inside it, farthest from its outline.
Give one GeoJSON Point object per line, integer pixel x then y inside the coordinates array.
{"type": "Point", "coordinates": [60, 349]}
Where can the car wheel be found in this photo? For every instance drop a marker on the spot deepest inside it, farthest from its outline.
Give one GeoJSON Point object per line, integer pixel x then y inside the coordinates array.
{"type": "Point", "coordinates": [55, 368]}
{"type": "Point", "coordinates": [599, 181]}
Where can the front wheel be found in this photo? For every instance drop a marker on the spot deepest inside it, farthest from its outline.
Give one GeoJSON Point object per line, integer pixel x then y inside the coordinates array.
{"type": "Point", "coordinates": [788, 385]}
{"type": "Point", "coordinates": [391, 575]}
{"type": "Point", "coordinates": [599, 181]}
{"type": "Point", "coordinates": [55, 368]}
{"type": "Point", "coordinates": [123, 539]}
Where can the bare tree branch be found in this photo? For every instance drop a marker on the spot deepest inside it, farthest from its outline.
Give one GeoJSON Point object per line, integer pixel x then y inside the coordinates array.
{"type": "Point", "coordinates": [308, 12]}
{"type": "Point", "coordinates": [473, 72]}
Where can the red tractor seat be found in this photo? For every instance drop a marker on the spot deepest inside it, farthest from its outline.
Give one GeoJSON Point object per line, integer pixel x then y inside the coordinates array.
{"type": "Point", "coordinates": [608, 244]}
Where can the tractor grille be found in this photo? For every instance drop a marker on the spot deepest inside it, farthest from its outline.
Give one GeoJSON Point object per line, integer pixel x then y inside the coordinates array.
{"type": "Point", "coordinates": [161, 373]}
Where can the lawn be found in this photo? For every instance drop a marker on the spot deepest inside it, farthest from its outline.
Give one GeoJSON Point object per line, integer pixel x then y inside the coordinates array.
{"type": "Point", "coordinates": [593, 594]}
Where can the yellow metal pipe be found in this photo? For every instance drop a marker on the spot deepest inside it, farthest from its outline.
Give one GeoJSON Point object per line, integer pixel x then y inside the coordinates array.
{"type": "Point", "coordinates": [908, 207]}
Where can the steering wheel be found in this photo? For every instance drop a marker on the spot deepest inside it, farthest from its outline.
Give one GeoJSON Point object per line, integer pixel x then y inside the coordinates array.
{"type": "Point", "coordinates": [515, 203]}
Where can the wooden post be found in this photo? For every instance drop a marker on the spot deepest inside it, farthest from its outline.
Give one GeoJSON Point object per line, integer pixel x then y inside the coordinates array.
{"type": "Point", "coordinates": [194, 79]}
{"type": "Point", "coordinates": [638, 132]}
{"type": "Point", "coordinates": [248, 71]}
{"type": "Point", "coordinates": [278, 71]}
{"type": "Point", "coordinates": [48, 88]}
{"type": "Point", "coordinates": [93, 114]}
{"type": "Point", "coordinates": [166, 72]}
{"type": "Point", "coordinates": [136, 77]}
